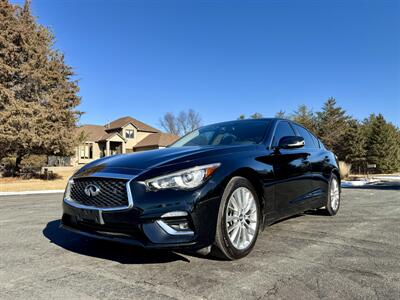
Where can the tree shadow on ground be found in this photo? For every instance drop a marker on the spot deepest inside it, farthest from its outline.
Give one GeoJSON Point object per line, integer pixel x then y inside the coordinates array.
{"type": "Point", "coordinates": [124, 254]}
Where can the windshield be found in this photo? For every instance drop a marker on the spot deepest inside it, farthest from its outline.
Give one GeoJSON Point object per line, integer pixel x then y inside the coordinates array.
{"type": "Point", "coordinates": [223, 134]}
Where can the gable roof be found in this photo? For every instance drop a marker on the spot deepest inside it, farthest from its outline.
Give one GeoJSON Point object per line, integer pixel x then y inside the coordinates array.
{"type": "Point", "coordinates": [92, 132]}
{"type": "Point", "coordinates": [107, 136]}
{"type": "Point", "coordinates": [157, 139]}
{"type": "Point", "coordinates": [121, 122]}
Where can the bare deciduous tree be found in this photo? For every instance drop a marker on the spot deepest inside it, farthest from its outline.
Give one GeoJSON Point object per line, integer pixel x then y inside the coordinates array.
{"type": "Point", "coordinates": [194, 120]}
{"type": "Point", "coordinates": [169, 124]}
{"type": "Point", "coordinates": [182, 124]}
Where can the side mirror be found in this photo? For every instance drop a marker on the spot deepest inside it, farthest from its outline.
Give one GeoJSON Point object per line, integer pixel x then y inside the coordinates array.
{"type": "Point", "coordinates": [291, 142]}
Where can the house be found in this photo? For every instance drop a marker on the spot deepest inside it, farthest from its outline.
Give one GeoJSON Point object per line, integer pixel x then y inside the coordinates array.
{"type": "Point", "coordinates": [124, 135]}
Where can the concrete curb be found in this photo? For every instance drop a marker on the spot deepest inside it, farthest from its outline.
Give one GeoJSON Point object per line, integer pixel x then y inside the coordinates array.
{"type": "Point", "coordinates": [31, 192]}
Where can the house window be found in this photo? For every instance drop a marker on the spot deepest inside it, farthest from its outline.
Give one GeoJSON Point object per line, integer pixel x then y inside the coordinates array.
{"type": "Point", "coordinates": [129, 134]}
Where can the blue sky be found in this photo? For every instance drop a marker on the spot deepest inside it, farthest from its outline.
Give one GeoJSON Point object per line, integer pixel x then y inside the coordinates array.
{"type": "Point", "coordinates": [226, 58]}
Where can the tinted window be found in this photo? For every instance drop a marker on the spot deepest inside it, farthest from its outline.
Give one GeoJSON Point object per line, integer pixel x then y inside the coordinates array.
{"type": "Point", "coordinates": [315, 140]}
{"type": "Point", "coordinates": [229, 133]}
{"type": "Point", "coordinates": [308, 141]}
{"type": "Point", "coordinates": [282, 129]}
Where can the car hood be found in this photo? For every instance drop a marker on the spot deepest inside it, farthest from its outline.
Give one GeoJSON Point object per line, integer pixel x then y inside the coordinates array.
{"type": "Point", "coordinates": [135, 163]}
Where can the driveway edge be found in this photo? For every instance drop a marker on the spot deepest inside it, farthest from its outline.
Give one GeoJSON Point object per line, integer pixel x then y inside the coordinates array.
{"type": "Point", "coordinates": [31, 192]}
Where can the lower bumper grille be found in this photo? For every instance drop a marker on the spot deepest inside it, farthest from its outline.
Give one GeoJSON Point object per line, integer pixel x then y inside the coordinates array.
{"type": "Point", "coordinates": [121, 230]}
{"type": "Point", "coordinates": [100, 192]}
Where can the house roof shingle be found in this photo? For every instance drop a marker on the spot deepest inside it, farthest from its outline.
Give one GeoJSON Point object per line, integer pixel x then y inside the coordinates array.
{"type": "Point", "coordinates": [157, 139]}
{"type": "Point", "coordinates": [107, 136]}
{"type": "Point", "coordinates": [98, 133]}
{"type": "Point", "coordinates": [92, 132]}
{"type": "Point", "coordinates": [121, 122]}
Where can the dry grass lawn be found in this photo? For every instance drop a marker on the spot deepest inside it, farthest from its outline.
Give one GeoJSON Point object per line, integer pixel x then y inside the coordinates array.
{"type": "Point", "coordinates": [19, 185]}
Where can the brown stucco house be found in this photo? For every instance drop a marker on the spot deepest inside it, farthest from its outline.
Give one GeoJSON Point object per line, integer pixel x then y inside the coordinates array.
{"type": "Point", "coordinates": [124, 135]}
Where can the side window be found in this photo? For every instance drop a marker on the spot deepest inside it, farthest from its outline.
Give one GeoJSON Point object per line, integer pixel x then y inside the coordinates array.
{"type": "Point", "coordinates": [282, 129]}
{"type": "Point", "coordinates": [308, 141]}
{"type": "Point", "coordinates": [315, 140]}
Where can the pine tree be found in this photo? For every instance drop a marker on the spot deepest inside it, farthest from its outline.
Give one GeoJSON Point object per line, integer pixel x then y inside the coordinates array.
{"type": "Point", "coordinates": [37, 93]}
{"type": "Point", "coordinates": [281, 114]}
{"type": "Point", "coordinates": [256, 115]}
{"type": "Point", "coordinates": [332, 125]}
{"type": "Point", "coordinates": [304, 116]}
{"type": "Point", "coordinates": [354, 146]}
{"type": "Point", "coordinates": [382, 144]}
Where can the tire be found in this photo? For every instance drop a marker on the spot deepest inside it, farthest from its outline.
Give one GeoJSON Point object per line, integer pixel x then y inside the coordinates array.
{"type": "Point", "coordinates": [238, 220]}
{"type": "Point", "coordinates": [332, 206]}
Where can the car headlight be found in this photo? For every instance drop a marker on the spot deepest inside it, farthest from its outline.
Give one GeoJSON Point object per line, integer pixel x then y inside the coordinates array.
{"type": "Point", "coordinates": [182, 180]}
{"type": "Point", "coordinates": [67, 193]}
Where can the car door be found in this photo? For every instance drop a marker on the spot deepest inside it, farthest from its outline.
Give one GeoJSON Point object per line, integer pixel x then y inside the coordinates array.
{"type": "Point", "coordinates": [316, 158]}
{"type": "Point", "coordinates": [292, 172]}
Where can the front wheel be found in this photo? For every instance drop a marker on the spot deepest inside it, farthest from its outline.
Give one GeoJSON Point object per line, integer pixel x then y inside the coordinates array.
{"type": "Point", "coordinates": [238, 220]}
{"type": "Point", "coordinates": [333, 197]}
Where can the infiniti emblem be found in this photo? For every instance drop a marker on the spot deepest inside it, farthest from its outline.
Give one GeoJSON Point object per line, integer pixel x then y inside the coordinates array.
{"type": "Point", "coordinates": [92, 190]}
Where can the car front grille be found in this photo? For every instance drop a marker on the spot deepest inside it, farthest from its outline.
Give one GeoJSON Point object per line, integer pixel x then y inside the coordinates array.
{"type": "Point", "coordinates": [112, 193]}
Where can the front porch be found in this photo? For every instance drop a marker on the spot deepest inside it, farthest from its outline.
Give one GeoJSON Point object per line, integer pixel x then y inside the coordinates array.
{"type": "Point", "coordinates": [108, 148]}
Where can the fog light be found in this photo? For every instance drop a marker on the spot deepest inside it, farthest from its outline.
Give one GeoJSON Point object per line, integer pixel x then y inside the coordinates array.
{"type": "Point", "coordinates": [180, 226]}
{"type": "Point", "coordinates": [176, 226]}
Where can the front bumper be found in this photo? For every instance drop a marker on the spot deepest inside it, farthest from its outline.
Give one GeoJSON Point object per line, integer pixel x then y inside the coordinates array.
{"type": "Point", "coordinates": [147, 228]}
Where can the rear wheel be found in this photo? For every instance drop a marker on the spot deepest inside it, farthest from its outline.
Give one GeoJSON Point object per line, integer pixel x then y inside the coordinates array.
{"type": "Point", "coordinates": [333, 199]}
{"type": "Point", "coordinates": [238, 220]}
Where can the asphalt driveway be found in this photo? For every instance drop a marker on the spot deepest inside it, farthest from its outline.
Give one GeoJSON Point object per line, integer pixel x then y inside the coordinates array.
{"type": "Point", "coordinates": [355, 255]}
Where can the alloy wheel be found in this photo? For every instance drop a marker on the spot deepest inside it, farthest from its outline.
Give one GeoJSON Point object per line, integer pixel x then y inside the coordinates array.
{"type": "Point", "coordinates": [241, 218]}
{"type": "Point", "coordinates": [335, 195]}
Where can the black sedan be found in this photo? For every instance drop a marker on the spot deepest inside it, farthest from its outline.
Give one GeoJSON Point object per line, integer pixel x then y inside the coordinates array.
{"type": "Point", "coordinates": [212, 190]}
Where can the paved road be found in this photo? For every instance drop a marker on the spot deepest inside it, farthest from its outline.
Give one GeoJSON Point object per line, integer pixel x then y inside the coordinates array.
{"type": "Point", "coordinates": [355, 255]}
